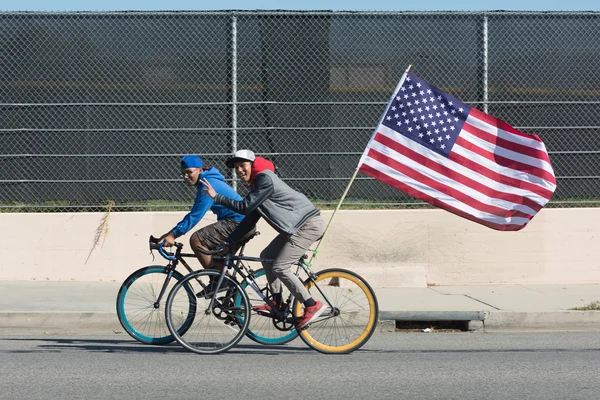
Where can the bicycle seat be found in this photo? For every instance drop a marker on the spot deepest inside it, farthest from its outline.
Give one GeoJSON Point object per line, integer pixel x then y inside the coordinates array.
{"type": "Point", "coordinates": [248, 237]}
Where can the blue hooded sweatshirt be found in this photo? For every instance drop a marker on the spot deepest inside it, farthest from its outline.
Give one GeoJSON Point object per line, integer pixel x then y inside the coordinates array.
{"type": "Point", "coordinates": [203, 202]}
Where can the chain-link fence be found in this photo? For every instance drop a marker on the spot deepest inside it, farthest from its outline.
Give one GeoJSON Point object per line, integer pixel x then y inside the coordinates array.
{"type": "Point", "coordinates": [96, 109]}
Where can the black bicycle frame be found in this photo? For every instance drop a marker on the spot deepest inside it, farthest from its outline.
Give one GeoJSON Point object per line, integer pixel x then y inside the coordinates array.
{"type": "Point", "coordinates": [234, 262]}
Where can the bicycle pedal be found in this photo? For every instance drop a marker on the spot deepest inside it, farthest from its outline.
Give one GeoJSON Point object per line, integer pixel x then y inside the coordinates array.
{"type": "Point", "coordinates": [264, 313]}
{"type": "Point", "coordinates": [230, 321]}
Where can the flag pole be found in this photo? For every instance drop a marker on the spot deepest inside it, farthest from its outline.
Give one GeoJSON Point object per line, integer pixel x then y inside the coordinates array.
{"type": "Point", "coordinates": [332, 215]}
{"type": "Point", "coordinates": [355, 173]}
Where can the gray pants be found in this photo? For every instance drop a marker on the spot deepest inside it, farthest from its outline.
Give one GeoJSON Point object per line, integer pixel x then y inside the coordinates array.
{"type": "Point", "coordinates": [285, 250]}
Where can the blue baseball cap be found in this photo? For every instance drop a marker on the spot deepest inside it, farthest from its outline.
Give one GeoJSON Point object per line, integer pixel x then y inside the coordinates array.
{"type": "Point", "coordinates": [191, 161]}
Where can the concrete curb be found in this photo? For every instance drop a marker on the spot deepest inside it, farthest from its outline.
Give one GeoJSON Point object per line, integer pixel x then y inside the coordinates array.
{"type": "Point", "coordinates": [497, 321]}
{"type": "Point", "coordinates": [432, 315]}
{"type": "Point", "coordinates": [501, 321]}
{"type": "Point", "coordinates": [59, 322]}
{"type": "Point", "coordinates": [91, 322]}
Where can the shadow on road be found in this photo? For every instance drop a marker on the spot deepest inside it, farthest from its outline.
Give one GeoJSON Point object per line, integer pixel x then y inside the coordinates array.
{"type": "Point", "coordinates": [131, 346]}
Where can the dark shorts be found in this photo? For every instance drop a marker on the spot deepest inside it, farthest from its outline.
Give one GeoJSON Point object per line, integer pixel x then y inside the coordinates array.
{"type": "Point", "coordinates": [215, 234]}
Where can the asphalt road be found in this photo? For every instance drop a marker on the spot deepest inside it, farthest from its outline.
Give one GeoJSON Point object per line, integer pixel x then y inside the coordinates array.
{"type": "Point", "coordinates": [554, 365]}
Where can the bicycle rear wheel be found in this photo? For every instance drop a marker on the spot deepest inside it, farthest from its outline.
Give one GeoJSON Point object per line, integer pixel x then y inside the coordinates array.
{"type": "Point", "coordinates": [137, 311]}
{"type": "Point", "coordinates": [350, 320]}
{"type": "Point", "coordinates": [264, 329]}
{"type": "Point", "coordinates": [215, 328]}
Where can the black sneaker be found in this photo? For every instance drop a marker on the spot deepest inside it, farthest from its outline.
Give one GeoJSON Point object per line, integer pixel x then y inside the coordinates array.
{"type": "Point", "coordinates": [209, 290]}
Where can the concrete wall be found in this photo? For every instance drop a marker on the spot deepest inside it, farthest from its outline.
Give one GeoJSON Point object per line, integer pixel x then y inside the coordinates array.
{"type": "Point", "coordinates": [411, 248]}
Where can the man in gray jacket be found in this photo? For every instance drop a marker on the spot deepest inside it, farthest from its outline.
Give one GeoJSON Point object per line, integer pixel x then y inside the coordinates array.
{"type": "Point", "coordinates": [289, 212]}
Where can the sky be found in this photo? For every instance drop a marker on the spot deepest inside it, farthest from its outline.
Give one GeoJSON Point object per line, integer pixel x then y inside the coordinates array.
{"type": "Point", "coordinates": [336, 5]}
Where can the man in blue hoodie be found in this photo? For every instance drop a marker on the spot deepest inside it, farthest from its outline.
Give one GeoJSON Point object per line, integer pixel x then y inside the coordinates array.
{"type": "Point", "coordinates": [211, 236]}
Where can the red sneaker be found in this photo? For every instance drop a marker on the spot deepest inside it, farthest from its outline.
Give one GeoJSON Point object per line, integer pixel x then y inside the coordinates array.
{"type": "Point", "coordinates": [266, 308]}
{"type": "Point", "coordinates": [310, 314]}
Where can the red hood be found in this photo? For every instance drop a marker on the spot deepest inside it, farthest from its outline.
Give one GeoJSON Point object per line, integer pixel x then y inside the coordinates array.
{"type": "Point", "coordinates": [260, 164]}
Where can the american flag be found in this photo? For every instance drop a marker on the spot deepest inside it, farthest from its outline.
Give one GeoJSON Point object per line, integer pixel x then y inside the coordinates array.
{"type": "Point", "coordinates": [432, 146]}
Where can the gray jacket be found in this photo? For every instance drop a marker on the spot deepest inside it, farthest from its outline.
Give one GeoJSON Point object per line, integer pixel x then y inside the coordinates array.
{"type": "Point", "coordinates": [282, 207]}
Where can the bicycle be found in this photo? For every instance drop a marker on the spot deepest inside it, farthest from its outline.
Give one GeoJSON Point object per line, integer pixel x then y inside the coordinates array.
{"type": "Point", "coordinates": [222, 318]}
{"type": "Point", "coordinates": [140, 301]}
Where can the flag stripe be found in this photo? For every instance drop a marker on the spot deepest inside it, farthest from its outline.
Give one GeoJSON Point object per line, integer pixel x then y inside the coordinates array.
{"type": "Point", "coordinates": [500, 141]}
{"type": "Point", "coordinates": [503, 161]}
{"type": "Point", "coordinates": [380, 176]}
{"type": "Point", "coordinates": [493, 148]}
{"type": "Point", "coordinates": [458, 181]}
{"type": "Point", "coordinates": [475, 171]}
{"type": "Point", "coordinates": [538, 194]}
{"type": "Point", "coordinates": [495, 122]}
{"type": "Point", "coordinates": [428, 183]}
{"type": "Point", "coordinates": [532, 141]}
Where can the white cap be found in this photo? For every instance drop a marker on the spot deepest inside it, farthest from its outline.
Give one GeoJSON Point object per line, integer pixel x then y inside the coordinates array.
{"type": "Point", "coordinates": [240, 155]}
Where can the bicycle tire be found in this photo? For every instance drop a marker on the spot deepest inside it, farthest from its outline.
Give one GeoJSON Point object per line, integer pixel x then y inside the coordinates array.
{"type": "Point", "coordinates": [215, 330]}
{"type": "Point", "coordinates": [352, 325]}
{"type": "Point", "coordinates": [135, 305]}
{"type": "Point", "coordinates": [262, 329]}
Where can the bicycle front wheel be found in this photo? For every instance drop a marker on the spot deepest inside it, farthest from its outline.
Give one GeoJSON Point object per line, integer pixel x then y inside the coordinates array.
{"type": "Point", "coordinates": [138, 312]}
{"type": "Point", "coordinates": [351, 312]}
{"type": "Point", "coordinates": [217, 324]}
{"type": "Point", "coordinates": [264, 329]}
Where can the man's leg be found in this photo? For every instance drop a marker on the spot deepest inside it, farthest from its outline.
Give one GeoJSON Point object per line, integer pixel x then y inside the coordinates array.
{"type": "Point", "coordinates": [204, 259]}
{"type": "Point", "coordinates": [270, 252]}
{"type": "Point", "coordinates": [209, 238]}
{"type": "Point", "coordinates": [308, 233]}
{"type": "Point", "coordinates": [287, 250]}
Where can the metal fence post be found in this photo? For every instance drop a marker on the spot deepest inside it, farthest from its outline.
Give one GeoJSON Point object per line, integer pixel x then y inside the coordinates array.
{"type": "Point", "coordinates": [234, 93]}
{"type": "Point", "coordinates": [485, 63]}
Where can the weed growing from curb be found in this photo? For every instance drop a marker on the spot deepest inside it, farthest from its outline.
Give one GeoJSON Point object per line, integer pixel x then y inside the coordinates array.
{"type": "Point", "coordinates": [593, 306]}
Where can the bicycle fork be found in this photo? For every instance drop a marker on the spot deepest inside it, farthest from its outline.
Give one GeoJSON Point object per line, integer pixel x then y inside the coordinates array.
{"type": "Point", "coordinates": [213, 298]}
{"type": "Point", "coordinates": [170, 268]}
{"type": "Point", "coordinates": [313, 278]}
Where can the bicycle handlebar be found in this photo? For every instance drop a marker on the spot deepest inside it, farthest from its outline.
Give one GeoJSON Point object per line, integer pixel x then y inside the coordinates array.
{"type": "Point", "coordinates": [155, 245]}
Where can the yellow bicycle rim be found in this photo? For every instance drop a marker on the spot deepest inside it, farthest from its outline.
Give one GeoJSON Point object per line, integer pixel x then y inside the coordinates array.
{"type": "Point", "coordinates": [350, 346]}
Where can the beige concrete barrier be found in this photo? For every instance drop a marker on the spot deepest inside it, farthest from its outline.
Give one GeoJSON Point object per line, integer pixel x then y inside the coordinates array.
{"type": "Point", "coordinates": [411, 248]}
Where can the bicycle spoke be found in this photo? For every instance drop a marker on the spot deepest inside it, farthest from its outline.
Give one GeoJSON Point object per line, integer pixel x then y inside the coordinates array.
{"type": "Point", "coordinates": [214, 329]}
{"type": "Point", "coordinates": [135, 305]}
{"type": "Point", "coordinates": [262, 327]}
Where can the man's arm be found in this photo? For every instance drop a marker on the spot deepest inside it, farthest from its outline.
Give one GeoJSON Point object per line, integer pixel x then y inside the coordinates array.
{"type": "Point", "coordinates": [262, 189]}
{"type": "Point", "coordinates": [245, 227]}
{"type": "Point", "coordinates": [202, 204]}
